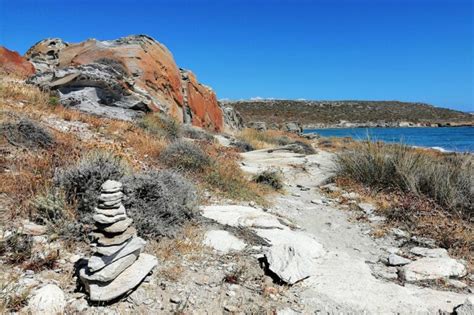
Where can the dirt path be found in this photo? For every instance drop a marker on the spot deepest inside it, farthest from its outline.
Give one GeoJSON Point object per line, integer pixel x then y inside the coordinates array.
{"type": "Point", "coordinates": [342, 279]}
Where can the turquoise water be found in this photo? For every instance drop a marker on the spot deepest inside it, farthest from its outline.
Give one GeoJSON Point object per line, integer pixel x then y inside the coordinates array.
{"type": "Point", "coordinates": [459, 139]}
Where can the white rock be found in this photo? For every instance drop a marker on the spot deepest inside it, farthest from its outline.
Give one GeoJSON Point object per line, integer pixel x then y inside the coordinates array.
{"type": "Point", "coordinates": [111, 186]}
{"type": "Point", "coordinates": [351, 195]}
{"type": "Point", "coordinates": [48, 300]}
{"type": "Point", "coordinates": [31, 228]}
{"type": "Point", "coordinates": [126, 281]}
{"type": "Point", "coordinates": [467, 308]}
{"type": "Point", "coordinates": [457, 284]}
{"type": "Point", "coordinates": [118, 227]}
{"type": "Point", "coordinates": [106, 240]}
{"type": "Point", "coordinates": [242, 216]}
{"type": "Point", "coordinates": [366, 207]}
{"type": "Point", "coordinates": [429, 252]}
{"type": "Point", "coordinates": [111, 271]}
{"type": "Point", "coordinates": [223, 241]}
{"type": "Point", "coordinates": [110, 197]}
{"type": "Point", "coordinates": [395, 260]}
{"type": "Point", "coordinates": [98, 262]}
{"type": "Point", "coordinates": [317, 201]}
{"type": "Point", "coordinates": [292, 255]}
{"type": "Point", "coordinates": [432, 269]}
{"type": "Point", "coordinates": [111, 212]}
{"type": "Point", "coordinates": [382, 271]}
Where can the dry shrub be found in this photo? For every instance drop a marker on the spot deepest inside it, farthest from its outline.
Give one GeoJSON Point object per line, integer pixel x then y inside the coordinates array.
{"type": "Point", "coordinates": [195, 133]}
{"type": "Point", "coordinates": [81, 182]}
{"type": "Point", "coordinates": [16, 248]}
{"type": "Point", "coordinates": [271, 138]}
{"type": "Point", "coordinates": [26, 133]}
{"type": "Point", "coordinates": [161, 125]}
{"type": "Point", "coordinates": [13, 296]}
{"type": "Point", "coordinates": [185, 156]}
{"type": "Point", "coordinates": [160, 203]}
{"type": "Point", "coordinates": [17, 91]}
{"type": "Point", "coordinates": [270, 178]}
{"type": "Point", "coordinates": [447, 179]}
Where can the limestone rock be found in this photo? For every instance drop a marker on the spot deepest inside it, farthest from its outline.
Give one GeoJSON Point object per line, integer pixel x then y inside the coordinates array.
{"type": "Point", "coordinates": [396, 260]}
{"type": "Point", "coordinates": [223, 241]}
{"type": "Point", "coordinates": [232, 118]}
{"type": "Point", "coordinates": [47, 300]}
{"type": "Point", "coordinates": [429, 252]}
{"type": "Point", "coordinates": [126, 281]}
{"type": "Point", "coordinates": [432, 269]}
{"type": "Point", "coordinates": [366, 207]}
{"type": "Point", "coordinates": [110, 197]}
{"type": "Point", "coordinates": [111, 271]}
{"type": "Point", "coordinates": [98, 262]}
{"type": "Point", "coordinates": [12, 63]}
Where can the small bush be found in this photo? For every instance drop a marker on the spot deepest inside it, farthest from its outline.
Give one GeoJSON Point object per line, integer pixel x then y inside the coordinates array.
{"type": "Point", "coordinates": [242, 145]}
{"type": "Point", "coordinates": [270, 178]}
{"type": "Point", "coordinates": [159, 202]}
{"type": "Point", "coordinates": [161, 125]}
{"type": "Point", "coordinates": [53, 101]}
{"type": "Point", "coordinates": [16, 248]}
{"type": "Point", "coordinates": [13, 296]}
{"type": "Point", "coordinates": [186, 156]}
{"type": "Point", "coordinates": [284, 140]}
{"type": "Point", "coordinates": [27, 134]}
{"type": "Point", "coordinates": [81, 182]}
{"type": "Point", "coordinates": [196, 133]}
{"type": "Point", "coordinates": [446, 179]}
{"type": "Point", "coordinates": [301, 147]}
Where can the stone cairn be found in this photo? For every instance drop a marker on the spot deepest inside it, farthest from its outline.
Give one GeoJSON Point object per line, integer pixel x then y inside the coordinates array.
{"type": "Point", "coordinates": [117, 266]}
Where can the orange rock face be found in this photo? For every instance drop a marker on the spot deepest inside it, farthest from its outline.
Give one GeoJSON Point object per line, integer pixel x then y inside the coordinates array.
{"type": "Point", "coordinates": [203, 103]}
{"type": "Point", "coordinates": [11, 62]}
{"type": "Point", "coordinates": [149, 69]}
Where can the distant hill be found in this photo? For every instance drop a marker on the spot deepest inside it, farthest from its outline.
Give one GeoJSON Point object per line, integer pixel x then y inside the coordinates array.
{"type": "Point", "coordinates": [348, 113]}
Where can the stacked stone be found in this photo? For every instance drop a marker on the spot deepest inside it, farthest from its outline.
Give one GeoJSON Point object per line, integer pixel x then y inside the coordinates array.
{"type": "Point", "coordinates": [118, 265]}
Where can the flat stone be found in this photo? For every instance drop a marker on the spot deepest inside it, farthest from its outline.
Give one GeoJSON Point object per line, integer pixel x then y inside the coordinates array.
{"type": "Point", "coordinates": [109, 250]}
{"type": "Point", "coordinates": [97, 262]}
{"type": "Point", "coordinates": [429, 252]}
{"type": "Point", "coordinates": [432, 269]}
{"type": "Point", "coordinates": [115, 204]}
{"type": "Point", "coordinates": [116, 239]}
{"type": "Point", "coordinates": [126, 281]}
{"type": "Point", "coordinates": [111, 186]}
{"type": "Point", "coordinates": [111, 271]}
{"type": "Point", "coordinates": [382, 271]}
{"type": "Point", "coordinates": [111, 212]}
{"type": "Point", "coordinates": [396, 260]}
{"type": "Point", "coordinates": [223, 241]}
{"type": "Point", "coordinates": [111, 197]}
{"type": "Point", "coordinates": [31, 228]}
{"type": "Point", "coordinates": [50, 299]}
{"type": "Point", "coordinates": [117, 227]}
{"type": "Point", "coordinates": [103, 219]}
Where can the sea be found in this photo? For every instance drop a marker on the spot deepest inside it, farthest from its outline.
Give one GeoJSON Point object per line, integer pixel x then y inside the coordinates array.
{"type": "Point", "coordinates": [446, 139]}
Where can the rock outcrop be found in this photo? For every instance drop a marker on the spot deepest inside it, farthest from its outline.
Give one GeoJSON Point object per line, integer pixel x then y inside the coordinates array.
{"type": "Point", "coordinates": [232, 118]}
{"type": "Point", "coordinates": [123, 78]}
{"type": "Point", "coordinates": [12, 63]}
{"type": "Point", "coordinates": [117, 265]}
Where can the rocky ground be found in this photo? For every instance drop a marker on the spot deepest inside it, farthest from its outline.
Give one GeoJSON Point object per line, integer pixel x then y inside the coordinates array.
{"type": "Point", "coordinates": [305, 253]}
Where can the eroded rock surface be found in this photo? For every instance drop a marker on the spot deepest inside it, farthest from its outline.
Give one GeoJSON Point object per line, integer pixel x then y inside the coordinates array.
{"type": "Point", "coordinates": [12, 63]}
{"type": "Point", "coordinates": [123, 78]}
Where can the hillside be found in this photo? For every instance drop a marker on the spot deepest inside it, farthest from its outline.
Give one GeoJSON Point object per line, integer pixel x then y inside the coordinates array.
{"type": "Point", "coordinates": [360, 113]}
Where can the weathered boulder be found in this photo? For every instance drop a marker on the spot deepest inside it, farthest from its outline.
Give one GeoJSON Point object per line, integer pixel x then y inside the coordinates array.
{"type": "Point", "coordinates": [47, 300]}
{"type": "Point", "coordinates": [293, 126]}
{"type": "Point", "coordinates": [129, 74]}
{"type": "Point", "coordinates": [432, 269]}
{"type": "Point", "coordinates": [396, 260]}
{"type": "Point", "coordinates": [12, 63]}
{"type": "Point", "coordinates": [257, 125]}
{"type": "Point", "coordinates": [429, 252]}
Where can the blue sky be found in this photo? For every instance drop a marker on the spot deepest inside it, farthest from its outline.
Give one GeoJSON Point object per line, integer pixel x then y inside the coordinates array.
{"type": "Point", "coordinates": [418, 50]}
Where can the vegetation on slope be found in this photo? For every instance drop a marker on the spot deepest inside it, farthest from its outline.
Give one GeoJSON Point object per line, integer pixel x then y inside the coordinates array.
{"type": "Point", "coordinates": [332, 112]}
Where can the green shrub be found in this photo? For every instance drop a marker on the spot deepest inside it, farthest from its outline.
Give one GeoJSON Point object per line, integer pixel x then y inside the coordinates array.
{"type": "Point", "coordinates": [53, 101]}
{"type": "Point", "coordinates": [270, 178]}
{"type": "Point", "coordinates": [185, 156]}
{"type": "Point", "coordinates": [161, 125]}
{"type": "Point", "coordinates": [242, 145]}
{"type": "Point", "coordinates": [27, 134]}
{"type": "Point", "coordinates": [159, 202]}
{"type": "Point", "coordinates": [81, 182]}
{"type": "Point", "coordinates": [447, 179]}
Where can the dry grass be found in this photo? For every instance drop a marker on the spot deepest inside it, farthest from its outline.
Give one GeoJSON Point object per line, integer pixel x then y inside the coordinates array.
{"type": "Point", "coordinates": [266, 139]}
{"type": "Point", "coordinates": [13, 296]}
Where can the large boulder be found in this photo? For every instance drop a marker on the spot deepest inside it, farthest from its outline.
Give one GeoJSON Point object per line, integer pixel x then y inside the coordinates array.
{"type": "Point", "coordinates": [133, 73]}
{"type": "Point", "coordinates": [232, 119]}
{"type": "Point", "coordinates": [12, 63]}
